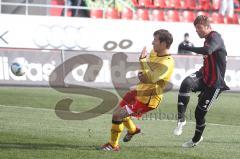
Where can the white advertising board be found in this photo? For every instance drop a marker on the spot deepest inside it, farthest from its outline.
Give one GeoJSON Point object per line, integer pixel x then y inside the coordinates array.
{"type": "Point", "coordinates": [79, 68]}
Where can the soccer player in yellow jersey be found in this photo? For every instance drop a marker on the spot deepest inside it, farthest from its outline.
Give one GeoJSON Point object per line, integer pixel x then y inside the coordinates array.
{"type": "Point", "coordinates": [155, 74]}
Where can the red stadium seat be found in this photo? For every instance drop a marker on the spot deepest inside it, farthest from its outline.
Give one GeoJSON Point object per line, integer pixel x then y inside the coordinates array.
{"type": "Point", "coordinates": [188, 16]}
{"type": "Point", "coordinates": [174, 4]}
{"type": "Point", "coordinates": [145, 3]}
{"type": "Point", "coordinates": [216, 4]}
{"type": "Point", "coordinates": [160, 3]}
{"type": "Point", "coordinates": [158, 15]}
{"type": "Point", "coordinates": [237, 10]}
{"type": "Point", "coordinates": [127, 13]}
{"type": "Point", "coordinates": [135, 2]}
{"type": "Point", "coordinates": [56, 11]}
{"type": "Point", "coordinates": [217, 18]}
{"type": "Point", "coordinates": [233, 20]}
{"type": "Point", "coordinates": [237, 6]}
{"type": "Point", "coordinates": [189, 4]}
{"type": "Point", "coordinates": [142, 14]}
{"type": "Point", "coordinates": [112, 13]}
{"type": "Point", "coordinates": [205, 4]}
{"type": "Point", "coordinates": [96, 13]}
{"type": "Point", "coordinates": [203, 13]}
{"type": "Point", "coordinates": [172, 16]}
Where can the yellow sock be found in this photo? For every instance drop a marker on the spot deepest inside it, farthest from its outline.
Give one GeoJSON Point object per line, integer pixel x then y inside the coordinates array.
{"type": "Point", "coordinates": [128, 123]}
{"type": "Point", "coordinates": [115, 133]}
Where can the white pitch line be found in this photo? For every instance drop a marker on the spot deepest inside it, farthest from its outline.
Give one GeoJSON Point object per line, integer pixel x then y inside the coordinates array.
{"type": "Point", "coordinates": [23, 107]}
{"type": "Point", "coordinates": [45, 109]}
{"type": "Point", "coordinates": [192, 122]}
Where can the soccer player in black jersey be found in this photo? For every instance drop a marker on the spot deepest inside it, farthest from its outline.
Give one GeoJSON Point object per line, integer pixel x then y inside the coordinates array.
{"type": "Point", "coordinates": [209, 80]}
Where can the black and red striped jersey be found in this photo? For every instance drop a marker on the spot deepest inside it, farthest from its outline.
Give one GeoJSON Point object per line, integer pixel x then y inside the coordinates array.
{"type": "Point", "coordinates": [214, 60]}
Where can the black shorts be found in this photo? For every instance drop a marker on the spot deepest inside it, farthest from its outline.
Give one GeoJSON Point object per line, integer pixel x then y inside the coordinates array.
{"type": "Point", "coordinates": [207, 94]}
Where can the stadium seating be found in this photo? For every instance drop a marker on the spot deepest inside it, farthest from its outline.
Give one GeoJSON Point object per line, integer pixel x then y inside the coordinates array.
{"type": "Point", "coordinates": [160, 3]}
{"type": "Point", "coordinates": [237, 6]}
{"type": "Point", "coordinates": [216, 4]}
{"type": "Point", "coordinates": [112, 13]}
{"type": "Point", "coordinates": [96, 13]}
{"type": "Point", "coordinates": [135, 2]}
{"type": "Point", "coordinates": [217, 18]}
{"type": "Point", "coordinates": [205, 4]}
{"type": "Point", "coordinates": [142, 14]}
{"type": "Point", "coordinates": [163, 10]}
{"type": "Point", "coordinates": [189, 4]}
{"type": "Point", "coordinates": [203, 13]}
{"type": "Point", "coordinates": [232, 20]}
{"type": "Point", "coordinates": [237, 10]}
{"type": "Point", "coordinates": [174, 4]}
{"type": "Point", "coordinates": [145, 3]}
{"type": "Point", "coordinates": [158, 15]}
{"type": "Point", "coordinates": [126, 13]}
{"type": "Point", "coordinates": [56, 11]}
{"type": "Point", "coordinates": [188, 16]}
{"type": "Point", "coordinates": [172, 16]}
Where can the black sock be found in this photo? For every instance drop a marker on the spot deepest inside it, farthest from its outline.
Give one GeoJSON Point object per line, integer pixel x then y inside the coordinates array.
{"type": "Point", "coordinates": [182, 106]}
{"type": "Point", "coordinates": [198, 132]}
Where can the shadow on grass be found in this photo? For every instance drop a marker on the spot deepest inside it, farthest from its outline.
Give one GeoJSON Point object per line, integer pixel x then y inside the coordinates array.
{"type": "Point", "coordinates": [45, 146]}
{"type": "Point", "coordinates": [50, 146]}
{"type": "Point", "coordinates": [223, 142]}
{"type": "Point", "coordinates": [138, 151]}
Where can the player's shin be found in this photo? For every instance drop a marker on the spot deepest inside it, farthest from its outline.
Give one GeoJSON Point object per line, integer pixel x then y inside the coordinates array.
{"type": "Point", "coordinates": [200, 124]}
{"type": "Point", "coordinates": [183, 99]}
{"type": "Point", "coordinates": [117, 128]}
{"type": "Point", "coordinates": [128, 123]}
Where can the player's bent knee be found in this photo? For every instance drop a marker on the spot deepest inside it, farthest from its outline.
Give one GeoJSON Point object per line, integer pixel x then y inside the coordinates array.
{"type": "Point", "coordinates": [186, 84]}
{"type": "Point", "coordinates": [117, 116]}
{"type": "Point", "coordinates": [120, 113]}
{"type": "Point", "coordinates": [117, 122]}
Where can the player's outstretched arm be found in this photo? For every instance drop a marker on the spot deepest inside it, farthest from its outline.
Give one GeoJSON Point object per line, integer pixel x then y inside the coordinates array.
{"type": "Point", "coordinates": [213, 44]}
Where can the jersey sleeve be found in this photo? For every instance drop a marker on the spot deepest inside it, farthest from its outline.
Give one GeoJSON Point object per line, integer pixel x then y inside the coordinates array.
{"type": "Point", "coordinates": [212, 44]}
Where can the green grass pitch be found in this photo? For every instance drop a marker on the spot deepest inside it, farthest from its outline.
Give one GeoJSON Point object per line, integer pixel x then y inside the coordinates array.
{"type": "Point", "coordinates": [29, 128]}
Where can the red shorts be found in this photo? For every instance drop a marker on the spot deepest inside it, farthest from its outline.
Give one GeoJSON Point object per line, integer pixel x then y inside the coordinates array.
{"type": "Point", "coordinates": [133, 106]}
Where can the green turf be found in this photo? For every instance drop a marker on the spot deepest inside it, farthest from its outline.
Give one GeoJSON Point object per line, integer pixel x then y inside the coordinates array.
{"type": "Point", "coordinates": [29, 128]}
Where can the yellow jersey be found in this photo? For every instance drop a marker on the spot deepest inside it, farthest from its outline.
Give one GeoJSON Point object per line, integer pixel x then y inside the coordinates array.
{"type": "Point", "coordinates": [158, 71]}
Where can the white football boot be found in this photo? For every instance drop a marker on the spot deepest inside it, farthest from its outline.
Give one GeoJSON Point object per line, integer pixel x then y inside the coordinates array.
{"type": "Point", "coordinates": [178, 130]}
{"type": "Point", "coordinates": [191, 144]}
